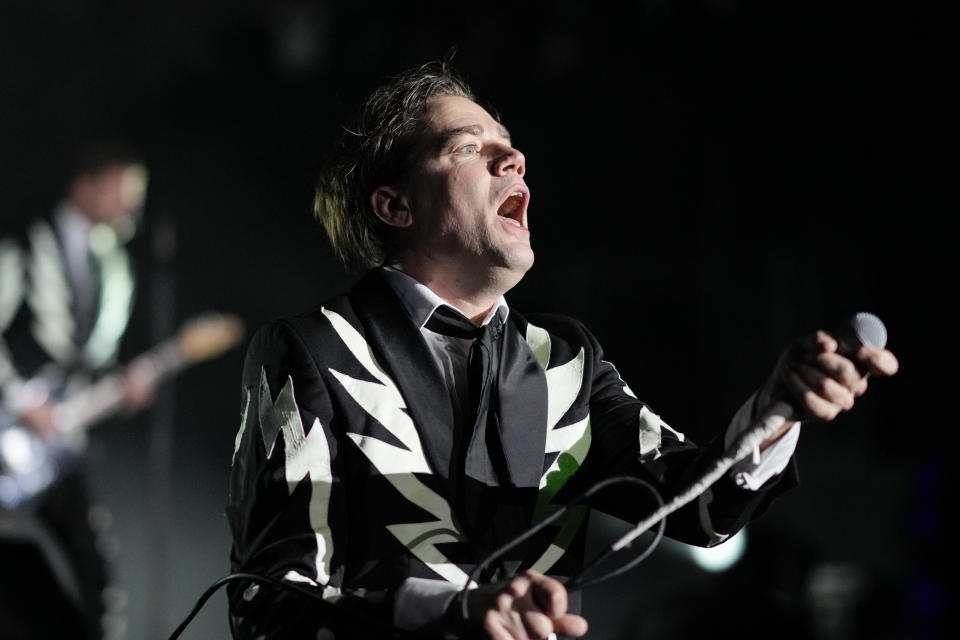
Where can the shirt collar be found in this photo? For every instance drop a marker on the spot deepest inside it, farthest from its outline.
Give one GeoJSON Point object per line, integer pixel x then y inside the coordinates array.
{"type": "Point", "coordinates": [420, 301]}
{"type": "Point", "coordinates": [72, 220]}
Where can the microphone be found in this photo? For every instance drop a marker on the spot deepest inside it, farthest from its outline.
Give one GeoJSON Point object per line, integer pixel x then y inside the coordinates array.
{"type": "Point", "coordinates": [862, 328]}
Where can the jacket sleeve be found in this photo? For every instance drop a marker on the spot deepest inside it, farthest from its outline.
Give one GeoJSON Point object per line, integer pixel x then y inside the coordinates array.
{"type": "Point", "coordinates": [286, 507]}
{"type": "Point", "coordinates": [631, 439]}
{"type": "Point", "coordinates": [11, 297]}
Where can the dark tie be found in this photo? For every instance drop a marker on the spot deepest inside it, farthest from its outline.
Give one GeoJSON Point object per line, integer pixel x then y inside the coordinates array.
{"type": "Point", "coordinates": [86, 291]}
{"type": "Point", "coordinates": [501, 423]}
{"type": "Point", "coordinates": [479, 447]}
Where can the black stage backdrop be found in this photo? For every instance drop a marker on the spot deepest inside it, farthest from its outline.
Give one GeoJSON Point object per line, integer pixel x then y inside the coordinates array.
{"type": "Point", "coordinates": [709, 180]}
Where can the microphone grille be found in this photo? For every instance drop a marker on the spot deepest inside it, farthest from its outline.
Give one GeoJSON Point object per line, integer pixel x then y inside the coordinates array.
{"type": "Point", "coordinates": [870, 329]}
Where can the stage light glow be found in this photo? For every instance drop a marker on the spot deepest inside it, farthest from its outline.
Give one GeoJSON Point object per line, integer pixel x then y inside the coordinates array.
{"type": "Point", "coordinates": [721, 557]}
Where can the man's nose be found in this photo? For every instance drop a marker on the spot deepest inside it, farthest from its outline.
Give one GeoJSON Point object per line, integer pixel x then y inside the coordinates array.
{"type": "Point", "coordinates": [510, 160]}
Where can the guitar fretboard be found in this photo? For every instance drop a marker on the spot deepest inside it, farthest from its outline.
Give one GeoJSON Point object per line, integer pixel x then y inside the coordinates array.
{"type": "Point", "coordinates": [106, 396]}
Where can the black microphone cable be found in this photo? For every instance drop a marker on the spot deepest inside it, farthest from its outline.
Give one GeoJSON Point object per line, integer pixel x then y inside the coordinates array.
{"type": "Point", "coordinates": [742, 447]}
{"type": "Point", "coordinates": [390, 631]}
{"type": "Point", "coordinates": [387, 629]}
{"type": "Point", "coordinates": [579, 581]}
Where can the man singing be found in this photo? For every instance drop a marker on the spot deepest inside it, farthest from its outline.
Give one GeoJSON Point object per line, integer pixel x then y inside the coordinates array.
{"type": "Point", "coordinates": [395, 436]}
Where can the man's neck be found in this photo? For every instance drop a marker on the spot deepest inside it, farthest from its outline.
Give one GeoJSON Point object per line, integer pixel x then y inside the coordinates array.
{"type": "Point", "coordinates": [474, 297]}
{"type": "Point", "coordinates": [67, 212]}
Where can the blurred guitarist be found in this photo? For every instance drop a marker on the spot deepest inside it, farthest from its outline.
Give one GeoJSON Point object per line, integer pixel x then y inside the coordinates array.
{"type": "Point", "coordinates": [66, 287]}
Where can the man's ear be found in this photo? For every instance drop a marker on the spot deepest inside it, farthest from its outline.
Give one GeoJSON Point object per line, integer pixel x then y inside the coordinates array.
{"type": "Point", "coordinates": [391, 206]}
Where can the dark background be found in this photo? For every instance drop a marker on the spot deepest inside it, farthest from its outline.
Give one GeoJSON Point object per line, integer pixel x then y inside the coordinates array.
{"type": "Point", "coordinates": [710, 180]}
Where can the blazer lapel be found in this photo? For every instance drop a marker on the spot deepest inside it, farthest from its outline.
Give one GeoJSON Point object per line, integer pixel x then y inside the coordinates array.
{"type": "Point", "coordinates": [400, 349]}
{"type": "Point", "coordinates": [521, 385]}
{"type": "Point", "coordinates": [522, 399]}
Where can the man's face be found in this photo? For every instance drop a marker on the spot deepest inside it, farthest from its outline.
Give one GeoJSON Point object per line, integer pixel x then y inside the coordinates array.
{"type": "Point", "coordinates": [112, 195]}
{"type": "Point", "coordinates": [467, 194]}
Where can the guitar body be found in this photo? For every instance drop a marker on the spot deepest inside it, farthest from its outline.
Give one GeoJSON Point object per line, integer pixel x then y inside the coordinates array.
{"type": "Point", "coordinates": [29, 464]}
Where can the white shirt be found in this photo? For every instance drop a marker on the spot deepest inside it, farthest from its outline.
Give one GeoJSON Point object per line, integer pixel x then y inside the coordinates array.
{"type": "Point", "coordinates": [450, 353]}
{"type": "Point", "coordinates": [74, 229]}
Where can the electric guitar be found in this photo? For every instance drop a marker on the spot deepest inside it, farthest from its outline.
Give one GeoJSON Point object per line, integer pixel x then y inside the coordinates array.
{"type": "Point", "coordinates": [30, 463]}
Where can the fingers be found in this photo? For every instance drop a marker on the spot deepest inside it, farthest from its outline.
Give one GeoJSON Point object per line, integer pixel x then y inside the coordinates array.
{"type": "Point", "coordinates": [548, 594]}
{"type": "Point", "coordinates": [530, 625]}
{"type": "Point", "coordinates": [40, 419]}
{"type": "Point", "coordinates": [878, 361]}
{"type": "Point", "coordinates": [139, 388]}
{"type": "Point", "coordinates": [813, 403]}
{"type": "Point", "coordinates": [826, 381]}
{"type": "Point", "coordinates": [869, 359]}
{"type": "Point", "coordinates": [504, 622]}
{"type": "Point", "coordinates": [571, 625]}
{"type": "Point", "coordinates": [829, 385]}
{"type": "Point", "coordinates": [825, 343]}
{"type": "Point", "coordinates": [500, 626]}
{"type": "Point", "coordinates": [532, 606]}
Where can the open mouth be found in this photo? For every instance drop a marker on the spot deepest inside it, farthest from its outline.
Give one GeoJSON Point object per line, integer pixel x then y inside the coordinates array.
{"type": "Point", "coordinates": [512, 207]}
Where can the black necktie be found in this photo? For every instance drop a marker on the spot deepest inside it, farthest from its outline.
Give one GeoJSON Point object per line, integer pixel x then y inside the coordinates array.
{"type": "Point", "coordinates": [479, 447]}
{"type": "Point", "coordinates": [86, 291]}
{"type": "Point", "coordinates": [498, 450]}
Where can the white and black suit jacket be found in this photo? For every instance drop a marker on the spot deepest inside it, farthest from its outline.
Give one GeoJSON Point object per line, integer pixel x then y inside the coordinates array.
{"type": "Point", "coordinates": [52, 330]}
{"type": "Point", "coordinates": [344, 479]}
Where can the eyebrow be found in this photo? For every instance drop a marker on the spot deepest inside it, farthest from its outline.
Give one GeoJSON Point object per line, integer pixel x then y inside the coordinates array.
{"type": "Point", "coordinates": [471, 129]}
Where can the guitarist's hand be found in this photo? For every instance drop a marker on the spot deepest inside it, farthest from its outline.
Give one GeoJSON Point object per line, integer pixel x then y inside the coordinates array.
{"type": "Point", "coordinates": [138, 390]}
{"type": "Point", "coordinates": [40, 419]}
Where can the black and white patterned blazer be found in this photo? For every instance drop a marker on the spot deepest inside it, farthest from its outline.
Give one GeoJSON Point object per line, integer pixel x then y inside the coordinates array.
{"type": "Point", "coordinates": [44, 330]}
{"type": "Point", "coordinates": [341, 478]}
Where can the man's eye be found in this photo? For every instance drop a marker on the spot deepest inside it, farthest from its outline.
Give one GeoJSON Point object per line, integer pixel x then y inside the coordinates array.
{"type": "Point", "coordinates": [469, 149]}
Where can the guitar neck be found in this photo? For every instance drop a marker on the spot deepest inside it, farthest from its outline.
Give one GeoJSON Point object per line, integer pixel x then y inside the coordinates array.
{"type": "Point", "coordinates": [108, 395]}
